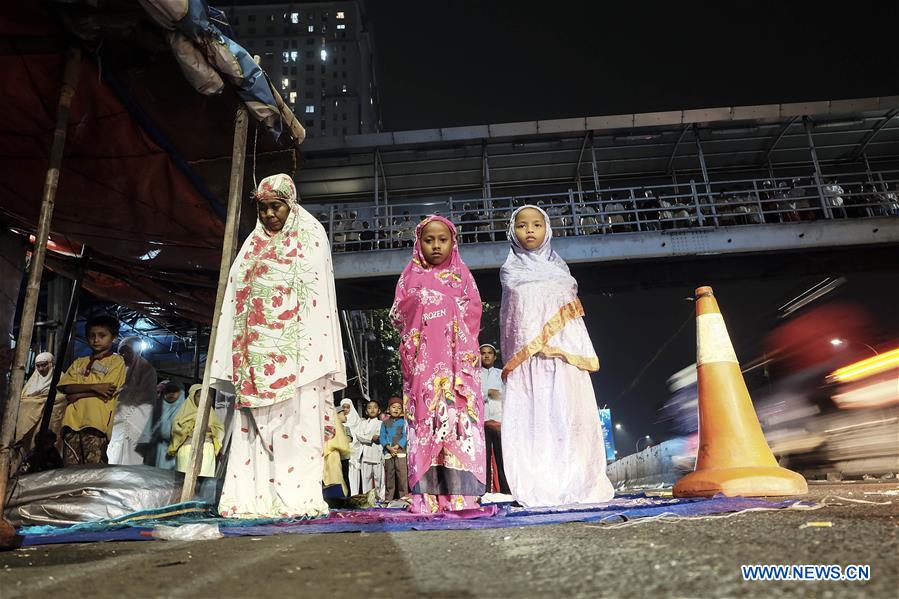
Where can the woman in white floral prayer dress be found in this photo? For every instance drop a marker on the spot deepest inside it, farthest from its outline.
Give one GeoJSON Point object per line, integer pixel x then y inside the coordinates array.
{"type": "Point", "coordinates": [279, 351]}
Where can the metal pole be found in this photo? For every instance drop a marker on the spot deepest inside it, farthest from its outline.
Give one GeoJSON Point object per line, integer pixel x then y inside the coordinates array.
{"type": "Point", "coordinates": [595, 169]}
{"type": "Point", "coordinates": [331, 225]}
{"type": "Point", "coordinates": [487, 208]}
{"type": "Point", "coordinates": [65, 339]}
{"type": "Point", "coordinates": [634, 205]}
{"type": "Point", "coordinates": [580, 193]}
{"type": "Point", "coordinates": [818, 177]}
{"type": "Point", "coordinates": [699, 218]}
{"type": "Point", "coordinates": [229, 248]}
{"type": "Point", "coordinates": [375, 170]}
{"type": "Point", "coordinates": [197, 352]}
{"type": "Point", "coordinates": [577, 169]}
{"type": "Point", "coordinates": [705, 173]}
{"type": "Point", "coordinates": [29, 308]}
{"type": "Point", "coordinates": [758, 200]}
{"type": "Point", "coordinates": [486, 177]}
{"type": "Point", "coordinates": [383, 176]}
{"type": "Point", "coordinates": [599, 210]}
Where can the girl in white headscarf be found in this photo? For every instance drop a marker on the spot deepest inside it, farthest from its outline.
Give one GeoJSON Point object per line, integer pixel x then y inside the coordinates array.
{"type": "Point", "coordinates": [135, 405]}
{"type": "Point", "coordinates": [351, 425]}
{"type": "Point", "coordinates": [552, 440]}
{"type": "Point", "coordinates": [279, 350]}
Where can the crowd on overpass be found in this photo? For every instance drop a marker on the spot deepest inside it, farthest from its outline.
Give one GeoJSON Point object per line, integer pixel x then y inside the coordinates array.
{"type": "Point", "coordinates": [633, 209]}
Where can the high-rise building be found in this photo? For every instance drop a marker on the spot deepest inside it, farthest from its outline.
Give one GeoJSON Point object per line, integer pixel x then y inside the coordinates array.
{"type": "Point", "coordinates": [320, 56]}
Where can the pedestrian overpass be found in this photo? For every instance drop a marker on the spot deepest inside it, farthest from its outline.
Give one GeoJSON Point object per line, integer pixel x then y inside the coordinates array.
{"type": "Point", "coordinates": [634, 200]}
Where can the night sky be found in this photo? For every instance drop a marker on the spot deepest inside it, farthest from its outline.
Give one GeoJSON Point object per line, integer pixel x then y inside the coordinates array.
{"type": "Point", "coordinates": [442, 63]}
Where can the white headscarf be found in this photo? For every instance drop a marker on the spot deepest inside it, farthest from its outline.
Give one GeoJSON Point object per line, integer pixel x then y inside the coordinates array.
{"type": "Point", "coordinates": [352, 419]}
{"type": "Point", "coordinates": [532, 265]}
{"type": "Point", "coordinates": [39, 384]}
{"type": "Point", "coordinates": [540, 312]}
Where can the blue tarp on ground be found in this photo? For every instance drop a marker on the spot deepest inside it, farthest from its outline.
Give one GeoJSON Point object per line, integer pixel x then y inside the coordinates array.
{"type": "Point", "coordinates": [139, 526]}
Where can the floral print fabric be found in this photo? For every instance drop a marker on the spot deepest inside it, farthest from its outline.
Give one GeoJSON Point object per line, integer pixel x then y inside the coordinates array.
{"type": "Point", "coordinates": [279, 329]}
{"type": "Point", "coordinates": [437, 310]}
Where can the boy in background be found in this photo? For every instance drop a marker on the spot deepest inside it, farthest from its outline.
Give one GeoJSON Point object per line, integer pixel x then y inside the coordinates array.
{"type": "Point", "coordinates": [393, 440]}
{"type": "Point", "coordinates": [91, 385]}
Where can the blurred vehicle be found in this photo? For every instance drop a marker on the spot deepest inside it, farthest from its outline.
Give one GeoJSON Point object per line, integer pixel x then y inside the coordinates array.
{"type": "Point", "coordinates": [827, 401]}
{"type": "Point", "coordinates": [682, 410]}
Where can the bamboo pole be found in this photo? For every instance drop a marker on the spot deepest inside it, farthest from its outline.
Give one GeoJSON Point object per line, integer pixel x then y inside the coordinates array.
{"type": "Point", "coordinates": [229, 248]}
{"type": "Point", "coordinates": [35, 273]}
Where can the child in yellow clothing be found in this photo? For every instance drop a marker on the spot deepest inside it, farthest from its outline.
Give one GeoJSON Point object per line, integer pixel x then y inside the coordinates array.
{"type": "Point", "coordinates": [183, 429]}
{"type": "Point", "coordinates": [92, 385]}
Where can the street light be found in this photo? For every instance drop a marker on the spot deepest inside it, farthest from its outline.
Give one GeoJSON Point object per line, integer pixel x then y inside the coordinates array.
{"type": "Point", "coordinates": [618, 426]}
{"type": "Point", "coordinates": [837, 342]}
{"type": "Point", "coordinates": [646, 438]}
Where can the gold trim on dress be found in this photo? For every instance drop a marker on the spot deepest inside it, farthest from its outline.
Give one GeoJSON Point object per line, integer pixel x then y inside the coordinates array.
{"type": "Point", "coordinates": [539, 345]}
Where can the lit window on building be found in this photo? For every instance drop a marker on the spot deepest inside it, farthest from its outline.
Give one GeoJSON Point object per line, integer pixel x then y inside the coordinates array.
{"type": "Point", "coordinates": [294, 17]}
{"type": "Point", "coordinates": [343, 89]}
{"type": "Point", "coordinates": [285, 82]}
{"type": "Point", "coordinates": [293, 97]}
{"type": "Point", "coordinates": [311, 29]}
{"type": "Point", "coordinates": [340, 15]}
{"type": "Point", "coordinates": [341, 26]}
{"type": "Point", "coordinates": [310, 108]}
{"type": "Point", "coordinates": [324, 54]}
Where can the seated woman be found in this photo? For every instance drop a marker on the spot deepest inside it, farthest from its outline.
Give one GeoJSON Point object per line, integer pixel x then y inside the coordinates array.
{"type": "Point", "coordinates": [183, 431]}
{"type": "Point", "coordinates": [31, 409]}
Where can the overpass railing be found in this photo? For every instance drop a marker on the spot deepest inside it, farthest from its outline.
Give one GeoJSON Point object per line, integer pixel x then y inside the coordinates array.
{"type": "Point", "coordinates": [737, 202]}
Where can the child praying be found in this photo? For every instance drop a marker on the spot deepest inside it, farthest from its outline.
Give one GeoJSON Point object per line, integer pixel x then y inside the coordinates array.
{"type": "Point", "coordinates": [437, 311]}
{"type": "Point", "coordinates": [551, 437]}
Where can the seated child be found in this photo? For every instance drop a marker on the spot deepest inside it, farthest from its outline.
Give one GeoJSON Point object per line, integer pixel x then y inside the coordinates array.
{"type": "Point", "coordinates": [183, 431]}
{"type": "Point", "coordinates": [91, 385]}
{"type": "Point", "coordinates": [393, 440]}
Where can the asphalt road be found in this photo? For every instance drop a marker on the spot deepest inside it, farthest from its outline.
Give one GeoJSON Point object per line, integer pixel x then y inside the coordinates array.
{"type": "Point", "coordinates": [673, 558]}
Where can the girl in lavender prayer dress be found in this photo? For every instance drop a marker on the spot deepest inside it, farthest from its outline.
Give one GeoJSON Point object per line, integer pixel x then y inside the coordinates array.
{"type": "Point", "coordinates": [551, 436]}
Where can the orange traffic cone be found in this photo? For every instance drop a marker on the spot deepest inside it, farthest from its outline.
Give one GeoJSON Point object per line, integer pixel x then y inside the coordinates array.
{"type": "Point", "coordinates": [734, 458]}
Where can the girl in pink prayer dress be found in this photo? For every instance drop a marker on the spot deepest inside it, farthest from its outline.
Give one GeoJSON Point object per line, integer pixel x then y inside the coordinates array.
{"type": "Point", "coordinates": [437, 311]}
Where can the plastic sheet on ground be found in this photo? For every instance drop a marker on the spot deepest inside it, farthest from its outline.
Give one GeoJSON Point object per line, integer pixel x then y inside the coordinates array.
{"type": "Point", "coordinates": [141, 526]}
{"type": "Point", "coordinates": [94, 493]}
